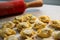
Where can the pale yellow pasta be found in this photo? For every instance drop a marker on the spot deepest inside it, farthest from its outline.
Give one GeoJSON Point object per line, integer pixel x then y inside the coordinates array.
{"type": "Point", "coordinates": [7, 32]}
{"type": "Point", "coordinates": [30, 18]}
{"type": "Point", "coordinates": [11, 37]}
{"type": "Point", "coordinates": [1, 34]}
{"type": "Point", "coordinates": [23, 25]}
{"type": "Point", "coordinates": [44, 33]}
{"type": "Point", "coordinates": [18, 19]}
{"type": "Point", "coordinates": [29, 39]}
{"type": "Point", "coordinates": [44, 19]}
{"type": "Point", "coordinates": [30, 28]}
{"type": "Point", "coordinates": [55, 24]}
{"type": "Point", "coordinates": [16, 22]}
{"type": "Point", "coordinates": [57, 36]}
{"type": "Point", "coordinates": [25, 33]}
{"type": "Point", "coordinates": [8, 24]}
{"type": "Point", "coordinates": [39, 25]}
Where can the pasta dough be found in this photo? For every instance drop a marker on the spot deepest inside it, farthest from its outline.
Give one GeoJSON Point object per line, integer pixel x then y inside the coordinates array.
{"type": "Point", "coordinates": [27, 33]}
{"type": "Point", "coordinates": [8, 24]}
{"type": "Point", "coordinates": [57, 36]}
{"type": "Point", "coordinates": [44, 33]}
{"type": "Point", "coordinates": [30, 18]}
{"type": "Point", "coordinates": [30, 28]}
{"type": "Point", "coordinates": [6, 32]}
{"type": "Point", "coordinates": [55, 24]}
{"type": "Point", "coordinates": [39, 25]}
{"type": "Point", "coordinates": [23, 25]}
{"type": "Point", "coordinates": [29, 39]}
{"type": "Point", "coordinates": [12, 37]}
{"type": "Point", "coordinates": [44, 19]}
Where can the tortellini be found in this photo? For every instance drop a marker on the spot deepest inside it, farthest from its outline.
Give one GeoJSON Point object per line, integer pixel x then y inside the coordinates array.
{"type": "Point", "coordinates": [23, 25]}
{"type": "Point", "coordinates": [44, 33]}
{"type": "Point", "coordinates": [29, 39]}
{"type": "Point", "coordinates": [18, 19]}
{"type": "Point", "coordinates": [39, 25]}
{"type": "Point", "coordinates": [25, 18]}
{"type": "Point", "coordinates": [44, 19]}
{"type": "Point", "coordinates": [6, 32]}
{"type": "Point", "coordinates": [30, 18]}
{"type": "Point", "coordinates": [29, 27]}
{"type": "Point", "coordinates": [12, 37]}
{"type": "Point", "coordinates": [57, 36]}
{"type": "Point", "coordinates": [8, 24]}
{"type": "Point", "coordinates": [55, 24]}
{"type": "Point", "coordinates": [27, 33]}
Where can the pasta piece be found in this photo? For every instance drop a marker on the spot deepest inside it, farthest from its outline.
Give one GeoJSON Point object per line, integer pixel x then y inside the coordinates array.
{"type": "Point", "coordinates": [55, 24]}
{"type": "Point", "coordinates": [39, 25]}
{"type": "Point", "coordinates": [8, 24]}
{"type": "Point", "coordinates": [30, 18]}
{"type": "Point", "coordinates": [44, 33]}
{"type": "Point", "coordinates": [23, 25]}
{"type": "Point", "coordinates": [12, 37]}
{"type": "Point", "coordinates": [18, 19]}
{"type": "Point", "coordinates": [29, 39]}
{"type": "Point", "coordinates": [44, 19]}
{"type": "Point", "coordinates": [6, 32]}
{"type": "Point", "coordinates": [27, 33]}
{"type": "Point", "coordinates": [57, 36]}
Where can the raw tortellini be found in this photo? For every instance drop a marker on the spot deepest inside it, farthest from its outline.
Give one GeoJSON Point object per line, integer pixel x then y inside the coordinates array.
{"type": "Point", "coordinates": [29, 39]}
{"type": "Point", "coordinates": [27, 33]}
{"type": "Point", "coordinates": [55, 24]}
{"type": "Point", "coordinates": [18, 19]}
{"type": "Point", "coordinates": [23, 25]}
{"type": "Point", "coordinates": [30, 18]}
{"type": "Point", "coordinates": [57, 36]}
{"type": "Point", "coordinates": [29, 27]}
{"type": "Point", "coordinates": [8, 24]}
{"type": "Point", "coordinates": [6, 32]}
{"type": "Point", "coordinates": [44, 33]}
{"type": "Point", "coordinates": [44, 19]}
{"type": "Point", "coordinates": [39, 25]}
{"type": "Point", "coordinates": [12, 37]}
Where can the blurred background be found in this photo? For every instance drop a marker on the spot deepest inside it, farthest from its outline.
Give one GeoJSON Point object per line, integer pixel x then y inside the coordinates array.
{"type": "Point", "coordinates": [51, 2]}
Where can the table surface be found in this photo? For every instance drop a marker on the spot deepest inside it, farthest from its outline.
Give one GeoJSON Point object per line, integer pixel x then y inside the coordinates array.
{"type": "Point", "coordinates": [49, 10]}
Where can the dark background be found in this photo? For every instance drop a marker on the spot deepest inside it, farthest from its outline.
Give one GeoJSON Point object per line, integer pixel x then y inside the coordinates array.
{"type": "Point", "coordinates": [51, 2]}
